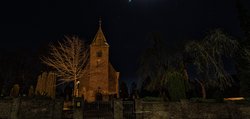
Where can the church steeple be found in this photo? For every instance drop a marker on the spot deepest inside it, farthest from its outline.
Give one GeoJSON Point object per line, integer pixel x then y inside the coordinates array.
{"type": "Point", "coordinates": [99, 63]}
{"type": "Point", "coordinates": [99, 38]}
{"type": "Point", "coordinates": [100, 22]}
{"type": "Point", "coordinates": [102, 78]}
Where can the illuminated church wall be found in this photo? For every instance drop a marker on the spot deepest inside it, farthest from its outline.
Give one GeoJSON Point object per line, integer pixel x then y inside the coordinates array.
{"type": "Point", "coordinates": [101, 76]}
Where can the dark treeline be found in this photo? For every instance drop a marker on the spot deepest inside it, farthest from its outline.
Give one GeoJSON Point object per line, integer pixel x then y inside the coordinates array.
{"type": "Point", "coordinates": [19, 66]}
{"type": "Point", "coordinates": [216, 66]}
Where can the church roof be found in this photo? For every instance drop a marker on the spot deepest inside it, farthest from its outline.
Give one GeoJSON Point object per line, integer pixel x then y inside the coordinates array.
{"type": "Point", "coordinates": [99, 37]}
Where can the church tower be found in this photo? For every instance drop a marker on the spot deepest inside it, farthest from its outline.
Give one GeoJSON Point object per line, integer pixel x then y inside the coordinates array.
{"type": "Point", "coordinates": [99, 65]}
{"type": "Point", "coordinates": [101, 81]}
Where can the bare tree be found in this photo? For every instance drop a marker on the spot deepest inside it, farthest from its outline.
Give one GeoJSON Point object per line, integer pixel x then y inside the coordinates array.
{"type": "Point", "coordinates": [70, 59]}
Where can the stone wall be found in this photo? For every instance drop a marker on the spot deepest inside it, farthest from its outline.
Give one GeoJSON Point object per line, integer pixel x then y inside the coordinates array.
{"type": "Point", "coordinates": [31, 108]}
{"type": "Point", "coordinates": [191, 110]}
{"type": "Point", "coordinates": [5, 108]}
{"type": "Point", "coordinates": [185, 110]}
{"type": "Point", "coordinates": [46, 108]}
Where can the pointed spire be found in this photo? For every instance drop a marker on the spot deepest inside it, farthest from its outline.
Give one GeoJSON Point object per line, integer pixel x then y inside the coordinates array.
{"type": "Point", "coordinates": [99, 37]}
{"type": "Point", "coordinates": [100, 22]}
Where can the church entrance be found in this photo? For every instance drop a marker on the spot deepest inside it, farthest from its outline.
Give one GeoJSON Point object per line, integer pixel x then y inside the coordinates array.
{"type": "Point", "coordinates": [98, 95]}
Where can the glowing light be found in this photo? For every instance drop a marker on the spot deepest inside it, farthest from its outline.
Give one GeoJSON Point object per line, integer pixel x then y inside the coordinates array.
{"type": "Point", "coordinates": [129, 1]}
{"type": "Point", "coordinates": [234, 98]}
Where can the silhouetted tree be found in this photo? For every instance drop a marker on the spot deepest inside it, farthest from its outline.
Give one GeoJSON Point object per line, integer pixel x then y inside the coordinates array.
{"type": "Point", "coordinates": [208, 57]}
{"type": "Point", "coordinates": [242, 59]}
{"type": "Point", "coordinates": [153, 64]}
{"type": "Point", "coordinates": [157, 65]}
{"type": "Point", "coordinates": [244, 16]}
{"type": "Point", "coordinates": [69, 59]}
{"type": "Point", "coordinates": [19, 67]}
{"type": "Point", "coordinates": [1, 85]}
{"type": "Point", "coordinates": [123, 90]}
{"type": "Point", "coordinates": [144, 91]}
{"type": "Point", "coordinates": [8, 71]}
{"type": "Point", "coordinates": [175, 85]}
{"type": "Point", "coordinates": [133, 91]}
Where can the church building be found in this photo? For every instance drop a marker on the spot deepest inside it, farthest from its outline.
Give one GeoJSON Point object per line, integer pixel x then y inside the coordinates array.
{"type": "Point", "coordinates": [102, 80]}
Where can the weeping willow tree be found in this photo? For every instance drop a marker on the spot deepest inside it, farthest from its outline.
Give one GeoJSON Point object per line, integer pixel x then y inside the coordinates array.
{"type": "Point", "coordinates": [207, 56]}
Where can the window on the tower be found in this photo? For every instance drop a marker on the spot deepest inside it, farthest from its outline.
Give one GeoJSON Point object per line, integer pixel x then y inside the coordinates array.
{"type": "Point", "coordinates": [99, 54]}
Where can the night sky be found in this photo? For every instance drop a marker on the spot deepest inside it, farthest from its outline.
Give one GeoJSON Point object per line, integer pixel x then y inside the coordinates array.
{"type": "Point", "coordinates": [126, 24]}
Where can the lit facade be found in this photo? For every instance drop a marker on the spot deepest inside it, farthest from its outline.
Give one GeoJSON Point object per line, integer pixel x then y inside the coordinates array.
{"type": "Point", "coordinates": [101, 81]}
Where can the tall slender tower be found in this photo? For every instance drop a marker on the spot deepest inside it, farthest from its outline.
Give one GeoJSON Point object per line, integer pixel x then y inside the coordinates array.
{"type": "Point", "coordinates": [99, 64]}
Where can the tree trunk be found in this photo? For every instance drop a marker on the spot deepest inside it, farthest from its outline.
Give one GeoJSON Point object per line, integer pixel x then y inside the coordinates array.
{"type": "Point", "coordinates": [203, 90]}
{"type": "Point", "coordinates": [75, 87]}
